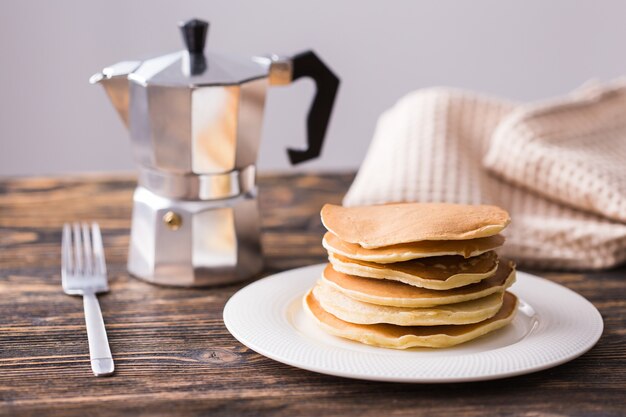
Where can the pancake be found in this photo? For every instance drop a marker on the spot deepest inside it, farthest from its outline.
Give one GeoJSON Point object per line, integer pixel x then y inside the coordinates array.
{"type": "Point", "coordinates": [393, 224]}
{"type": "Point", "coordinates": [408, 251]}
{"type": "Point", "coordinates": [353, 311]}
{"type": "Point", "coordinates": [403, 337]}
{"type": "Point", "coordinates": [438, 273]}
{"type": "Point", "coordinates": [396, 294]}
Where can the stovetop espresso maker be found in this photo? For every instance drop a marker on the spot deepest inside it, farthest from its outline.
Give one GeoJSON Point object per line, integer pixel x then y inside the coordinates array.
{"type": "Point", "coordinates": [195, 122]}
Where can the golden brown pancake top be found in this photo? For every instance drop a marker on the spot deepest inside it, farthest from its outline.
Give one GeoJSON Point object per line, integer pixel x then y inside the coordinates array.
{"type": "Point", "coordinates": [392, 224]}
{"type": "Point", "coordinates": [395, 289]}
{"type": "Point", "coordinates": [395, 331]}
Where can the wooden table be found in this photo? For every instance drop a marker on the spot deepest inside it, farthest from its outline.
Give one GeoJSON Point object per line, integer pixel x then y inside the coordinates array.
{"type": "Point", "coordinates": [173, 354]}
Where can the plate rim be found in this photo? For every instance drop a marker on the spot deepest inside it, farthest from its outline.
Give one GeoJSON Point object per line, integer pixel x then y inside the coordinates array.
{"type": "Point", "coordinates": [269, 353]}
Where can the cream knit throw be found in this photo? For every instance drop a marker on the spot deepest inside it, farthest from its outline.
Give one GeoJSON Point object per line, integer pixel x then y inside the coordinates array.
{"type": "Point", "coordinates": [558, 167]}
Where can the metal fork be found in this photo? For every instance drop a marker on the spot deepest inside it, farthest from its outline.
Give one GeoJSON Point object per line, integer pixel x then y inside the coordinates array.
{"type": "Point", "coordinates": [83, 271]}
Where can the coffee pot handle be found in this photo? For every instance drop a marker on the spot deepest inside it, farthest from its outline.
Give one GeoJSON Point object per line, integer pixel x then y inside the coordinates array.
{"type": "Point", "coordinates": [307, 64]}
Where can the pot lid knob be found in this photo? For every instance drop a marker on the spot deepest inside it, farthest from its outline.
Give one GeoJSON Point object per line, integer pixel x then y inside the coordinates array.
{"type": "Point", "coordinates": [194, 34]}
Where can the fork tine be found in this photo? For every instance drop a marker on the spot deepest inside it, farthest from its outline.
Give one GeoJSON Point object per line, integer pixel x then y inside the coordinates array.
{"type": "Point", "coordinates": [67, 263]}
{"type": "Point", "coordinates": [78, 249]}
{"type": "Point", "coordinates": [98, 249]}
{"type": "Point", "coordinates": [88, 252]}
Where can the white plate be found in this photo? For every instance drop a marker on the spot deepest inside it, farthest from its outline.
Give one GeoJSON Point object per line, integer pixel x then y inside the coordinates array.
{"type": "Point", "coordinates": [553, 325]}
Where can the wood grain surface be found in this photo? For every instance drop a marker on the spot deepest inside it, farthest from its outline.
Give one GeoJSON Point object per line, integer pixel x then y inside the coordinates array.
{"type": "Point", "coordinates": [175, 357]}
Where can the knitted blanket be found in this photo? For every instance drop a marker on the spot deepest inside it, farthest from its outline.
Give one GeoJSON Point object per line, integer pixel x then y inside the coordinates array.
{"type": "Point", "coordinates": [558, 167]}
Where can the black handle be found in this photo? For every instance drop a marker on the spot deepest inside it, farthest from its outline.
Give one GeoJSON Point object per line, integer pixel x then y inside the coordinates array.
{"type": "Point", "coordinates": [194, 35]}
{"type": "Point", "coordinates": [307, 64]}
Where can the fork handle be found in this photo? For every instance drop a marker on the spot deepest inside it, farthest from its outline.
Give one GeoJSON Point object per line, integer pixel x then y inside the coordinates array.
{"type": "Point", "coordinates": [99, 351]}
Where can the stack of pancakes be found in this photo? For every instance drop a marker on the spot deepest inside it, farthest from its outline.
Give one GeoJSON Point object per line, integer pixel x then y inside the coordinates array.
{"type": "Point", "coordinates": [413, 274]}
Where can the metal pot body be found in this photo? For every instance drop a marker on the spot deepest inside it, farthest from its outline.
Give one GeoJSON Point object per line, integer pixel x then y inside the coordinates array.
{"type": "Point", "coordinates": [196, 131]}
{"type": "Point", "coordinates": [194, 243]}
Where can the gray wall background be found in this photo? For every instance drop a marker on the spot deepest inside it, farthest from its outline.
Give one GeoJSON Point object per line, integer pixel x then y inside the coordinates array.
{"type": "Point", "coordinates": [52, 121]}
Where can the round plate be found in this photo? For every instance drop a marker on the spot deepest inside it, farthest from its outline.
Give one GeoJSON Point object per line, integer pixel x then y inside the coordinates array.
{"type": "Point", "coordinates": [553, 325]}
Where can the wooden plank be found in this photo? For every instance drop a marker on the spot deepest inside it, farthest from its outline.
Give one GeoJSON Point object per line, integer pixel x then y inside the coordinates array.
{"type": "Point", "coordinates": [173, 353]}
